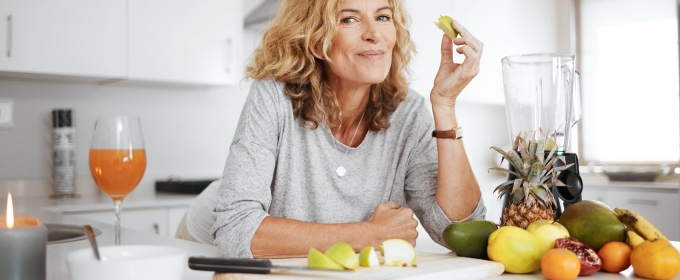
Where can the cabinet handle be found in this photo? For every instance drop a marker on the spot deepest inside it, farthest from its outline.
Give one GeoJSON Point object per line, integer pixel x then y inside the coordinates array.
{"type": "Point", "coordinates": [155, 228]}
{"type": "Point", "coordinates": [230, 55]}
{"type": "Point", "coordinates": [9, 36]}
{"type": "Point", "coordinates": [642, 201]}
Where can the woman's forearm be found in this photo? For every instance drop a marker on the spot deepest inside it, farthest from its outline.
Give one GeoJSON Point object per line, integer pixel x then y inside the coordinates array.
{"type": "Point", "coordinates": [287, 238]}
{"type": "Point", "coordinates": [457, 189]}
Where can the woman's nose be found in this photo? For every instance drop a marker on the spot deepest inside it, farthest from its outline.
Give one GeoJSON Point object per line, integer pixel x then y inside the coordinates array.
{"type": "Point", "coordinates": [371, 32]}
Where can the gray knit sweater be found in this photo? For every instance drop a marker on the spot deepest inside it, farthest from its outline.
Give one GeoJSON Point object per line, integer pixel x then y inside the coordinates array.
{"type": "Point", "coordinates": [278, 166]}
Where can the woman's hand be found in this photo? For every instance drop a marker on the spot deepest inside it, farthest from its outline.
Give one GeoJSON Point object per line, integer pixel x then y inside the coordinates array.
{"type": "Point", "coordinates": [453, 77]}
{"type": "Point", "coordinates": [390, 220]}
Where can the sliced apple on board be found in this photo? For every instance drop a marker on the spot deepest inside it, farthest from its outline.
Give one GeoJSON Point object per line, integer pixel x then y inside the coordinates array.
{"type": "Point", "coordinates": [317, 260]}
{"type": "Point", "coordinates": [445, 24]}
{"type": "Point", "coordinates": [344, 255]}
{"type": "Point", "coordinates": [368, 257]}
{"type": "Point", "coordinates": [398, 252]}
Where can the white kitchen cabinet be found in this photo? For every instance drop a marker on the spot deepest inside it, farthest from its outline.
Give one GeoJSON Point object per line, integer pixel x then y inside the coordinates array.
{"type": "Point", "coordinates": [658, 207]}
{"type": "Point", "coordinates": [175, 215]}
{"type": "Point", "coordinates": [160, 220]}
{"type": "Point", "coordinates": [84, 38]}
{"type": "Point", "coordinates": [183, 41]}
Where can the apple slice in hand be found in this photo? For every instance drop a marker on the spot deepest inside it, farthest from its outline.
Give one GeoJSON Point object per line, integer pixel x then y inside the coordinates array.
{"type": "Point", "coordinates": [445, 24]}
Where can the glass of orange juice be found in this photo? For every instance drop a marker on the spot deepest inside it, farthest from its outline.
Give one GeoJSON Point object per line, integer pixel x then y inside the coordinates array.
{"type": "Point", "coordinates": [117, 159]}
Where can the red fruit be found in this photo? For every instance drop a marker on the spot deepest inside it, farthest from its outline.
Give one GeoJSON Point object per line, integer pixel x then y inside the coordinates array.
{"type": "Point", "coordinates": [590, 261]}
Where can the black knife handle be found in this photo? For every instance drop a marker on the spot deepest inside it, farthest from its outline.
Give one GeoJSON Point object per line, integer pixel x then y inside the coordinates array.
{"type": "Point", "coordinates": [221, 265]}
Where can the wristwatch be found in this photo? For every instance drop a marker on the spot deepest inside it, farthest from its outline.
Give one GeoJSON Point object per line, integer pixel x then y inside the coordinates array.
{"type": "Point", "coordinates": [455, 133]}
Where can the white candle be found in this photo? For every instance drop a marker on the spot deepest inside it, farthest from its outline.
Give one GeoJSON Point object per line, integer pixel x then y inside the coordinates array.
{"type": "Point", "coordinates": [23, 242]}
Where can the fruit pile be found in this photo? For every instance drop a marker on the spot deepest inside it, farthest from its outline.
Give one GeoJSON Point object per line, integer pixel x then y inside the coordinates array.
{"type": "Point", "coordinates": [588, 237]}
{"type": "Point", "coordinates": [341, 256]}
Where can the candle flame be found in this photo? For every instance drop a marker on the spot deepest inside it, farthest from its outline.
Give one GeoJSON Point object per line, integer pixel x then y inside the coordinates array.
{"type": "Point", "coordinates": [10, 212]}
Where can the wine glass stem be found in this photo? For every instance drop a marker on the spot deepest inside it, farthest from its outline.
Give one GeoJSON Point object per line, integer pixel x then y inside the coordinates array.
{"type": "Point", "coordinates": [118, 206]}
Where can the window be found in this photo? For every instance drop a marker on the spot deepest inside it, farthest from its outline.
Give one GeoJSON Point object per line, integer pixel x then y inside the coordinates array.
{"type": "Point", "coordinates": [629, 74]}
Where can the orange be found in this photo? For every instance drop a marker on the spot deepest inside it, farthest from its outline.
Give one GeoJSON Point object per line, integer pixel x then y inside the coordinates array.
{"type": "Point", "coordinates": [655, 259]}
{"type": "Point", "coordinates": [560, 264]}
{"type": "Point", "coordinates": [615, 256]}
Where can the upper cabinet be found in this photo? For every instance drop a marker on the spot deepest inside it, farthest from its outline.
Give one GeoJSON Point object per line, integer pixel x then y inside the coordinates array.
{"type": "Point", "coordinates": [183, 41]}
{"type": "Point", "coordinates": [84, 38]}
{"type": "Point", "coordinates": [163, 41]}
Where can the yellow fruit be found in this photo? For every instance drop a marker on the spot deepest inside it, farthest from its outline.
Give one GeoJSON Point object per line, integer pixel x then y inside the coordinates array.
{"type": "Point", "coordinates": [368, 258]}
{"type": "Point", "coordinates": [655, 259]}
{"type": "Point", "coordinates": [317, 260]}
{"type": "Point", "coordinates": [344, 255]}
{"type": "Point", "coordinates": [445, 24]}
{"type": "Point", "coordinates": [639, 224]}
{"type": "Point", "coordinates": [517, 249]}
{"type": "Point", "coordinates": [633, 238]}
{"type": "Point", "coordinates": [546, 232]}
{"type": "Point", "coordinates": [398, 252]}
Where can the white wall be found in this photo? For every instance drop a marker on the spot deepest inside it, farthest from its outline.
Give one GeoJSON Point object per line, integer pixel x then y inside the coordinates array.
{"type": "Point", "coordinates": [505, 27]}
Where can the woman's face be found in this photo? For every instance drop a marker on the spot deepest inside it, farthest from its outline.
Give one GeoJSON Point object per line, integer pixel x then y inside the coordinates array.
{"type": "Point", "coordinates": [361, 53]}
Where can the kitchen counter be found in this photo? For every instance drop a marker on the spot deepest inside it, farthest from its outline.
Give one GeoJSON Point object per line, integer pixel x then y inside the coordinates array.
{"type": "Point", "coordinates": [50, 211]}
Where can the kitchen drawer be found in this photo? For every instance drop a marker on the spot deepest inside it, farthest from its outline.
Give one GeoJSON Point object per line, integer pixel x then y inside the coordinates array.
{"type": "Point", "coordinates": [660, 207]}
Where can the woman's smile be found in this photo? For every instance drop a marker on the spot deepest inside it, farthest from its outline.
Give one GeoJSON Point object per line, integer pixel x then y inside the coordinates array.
{"type": "Point", "coordinates": [372, 54]}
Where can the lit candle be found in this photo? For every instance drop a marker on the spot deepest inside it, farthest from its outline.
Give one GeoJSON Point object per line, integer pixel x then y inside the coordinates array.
{"type": "Point", "coordinates": [23, 242]}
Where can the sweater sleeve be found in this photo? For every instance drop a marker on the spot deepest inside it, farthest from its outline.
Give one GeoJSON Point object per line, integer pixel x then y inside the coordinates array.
{"type": "Point", "coordinates": [421, 179]}
{"type": "Point", "coordinates": [244, 195]}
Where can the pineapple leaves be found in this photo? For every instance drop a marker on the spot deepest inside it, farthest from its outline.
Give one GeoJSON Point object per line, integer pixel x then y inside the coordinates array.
{"type": "Point", "coordinates": [502, 185]}
{"type": "Point", "coordinates": [507, 171]}
{"type": "Point", "coordinates": [513, 158]}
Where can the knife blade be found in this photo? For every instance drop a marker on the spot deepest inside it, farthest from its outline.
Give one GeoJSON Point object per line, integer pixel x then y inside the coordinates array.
{"type": "Point", "coordinates": [236, 265]}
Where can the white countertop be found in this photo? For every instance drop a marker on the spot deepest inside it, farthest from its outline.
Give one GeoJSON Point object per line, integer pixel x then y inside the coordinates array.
{"type": "Point", "coordinates": [49, 211]}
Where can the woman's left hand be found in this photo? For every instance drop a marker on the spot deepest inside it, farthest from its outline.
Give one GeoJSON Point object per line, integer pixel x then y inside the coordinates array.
{"type": "Point", "coordinates": [453, 77]}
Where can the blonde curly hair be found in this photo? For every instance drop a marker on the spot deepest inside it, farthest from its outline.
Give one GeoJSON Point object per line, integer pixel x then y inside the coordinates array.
{"type": "Point", "coordinates": [287, 53]}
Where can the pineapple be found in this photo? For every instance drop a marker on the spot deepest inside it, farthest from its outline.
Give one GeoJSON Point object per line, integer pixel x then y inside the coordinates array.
{"type": "Point", "coordinates": [530, 196]}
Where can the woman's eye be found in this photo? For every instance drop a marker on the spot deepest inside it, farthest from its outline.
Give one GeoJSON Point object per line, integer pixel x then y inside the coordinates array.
{"type": "Point", "coordinates": [348, 20]}
{"type": "Point", "coordinates": [384, 18]}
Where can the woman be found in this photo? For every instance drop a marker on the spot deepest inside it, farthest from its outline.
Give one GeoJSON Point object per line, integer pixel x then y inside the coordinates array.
{"type": "Point", "coordinates": [332, 146]}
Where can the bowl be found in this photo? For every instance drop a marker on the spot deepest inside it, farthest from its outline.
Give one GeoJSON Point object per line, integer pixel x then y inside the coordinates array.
{"type": "Point", "coordinates": [128, 262]}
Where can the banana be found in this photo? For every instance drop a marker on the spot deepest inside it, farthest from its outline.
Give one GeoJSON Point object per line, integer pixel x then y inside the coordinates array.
{"type": "Point", "coordinates": [640, 225]}
{"type": "Point", "coordinates": [633, 238]}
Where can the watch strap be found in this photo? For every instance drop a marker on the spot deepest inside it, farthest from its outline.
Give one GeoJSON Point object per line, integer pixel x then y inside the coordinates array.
{"type": "Point", "coordinates": [455, 133]}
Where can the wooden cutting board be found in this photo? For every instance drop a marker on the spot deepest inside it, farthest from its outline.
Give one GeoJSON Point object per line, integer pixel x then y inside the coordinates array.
{"type": "Point", "coordinates": [430, 266]}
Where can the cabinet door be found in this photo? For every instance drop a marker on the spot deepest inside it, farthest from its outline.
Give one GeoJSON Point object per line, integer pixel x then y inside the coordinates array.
{"type": "Point", "coordinates": [63, 37]}
{"type": "Point", "coordinates": [594, 194]}
{"type": "Point", "coordinates": [148, 220]}
{"type": "Point", "coordinates": [659, 207]}
{"type": "Point", "coordinates": [185, 41]}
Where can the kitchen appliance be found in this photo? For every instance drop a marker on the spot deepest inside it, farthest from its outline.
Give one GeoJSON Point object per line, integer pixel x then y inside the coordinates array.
{"type": "Point", "coordinates": [542, 92]}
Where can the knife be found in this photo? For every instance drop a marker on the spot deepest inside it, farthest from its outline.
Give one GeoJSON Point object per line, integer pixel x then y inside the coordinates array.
{"type": "Point", "coordinates": [254, 266]}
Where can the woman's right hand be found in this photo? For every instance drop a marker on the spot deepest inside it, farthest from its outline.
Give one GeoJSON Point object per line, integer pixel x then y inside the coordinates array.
{"type": "Point", "coordinates": [390, 220]}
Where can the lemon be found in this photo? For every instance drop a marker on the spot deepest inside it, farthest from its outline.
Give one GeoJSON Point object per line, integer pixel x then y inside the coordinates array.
{"type": "Point", "coordinates": [316, 259]}
{"type": "Point", "coordinates": [344, 255]}
{"type": "Point", "coordinates": [546, 232]}
{"type": "Point", "coordinates": [517, 249]}
{"type": "Point", "coordinates": [368, 258]}
{"type": "Point", "coordinates": [444, 23]}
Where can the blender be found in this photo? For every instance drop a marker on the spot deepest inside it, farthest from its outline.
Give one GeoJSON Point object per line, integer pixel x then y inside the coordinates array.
{"type": "Point", "coordinates": [542, 93]}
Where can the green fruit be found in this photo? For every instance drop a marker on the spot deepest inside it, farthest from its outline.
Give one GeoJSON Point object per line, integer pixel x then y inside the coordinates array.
{"type": "Point", "coordinates": [344, 255]}
{"type": "Point", "coordinates": [317, 260]}
{"type": "Point", "coordinates": [593, 224]}
{"type": "Point", "coordinates": [445, 24]}
{"type": "Point", "coordinates": [517, 249]}
{"type": "Point", "coordinates": [469, 238]}
{"type": "Point", "coordinates": [398, 252]}
{"type": "Point", "coordinates": [368, 258]}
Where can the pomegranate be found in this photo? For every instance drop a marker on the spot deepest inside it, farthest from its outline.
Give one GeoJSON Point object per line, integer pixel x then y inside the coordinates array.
{"type": "Point", "coordinates": [590, 261]}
